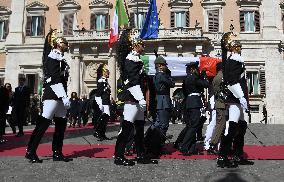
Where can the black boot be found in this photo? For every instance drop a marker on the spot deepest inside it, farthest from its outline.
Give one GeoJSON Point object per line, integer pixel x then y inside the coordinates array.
{"type": "Point", "coordinates": [122, 140]}
{"type": "Point", "coordinates": [58, 137]}
{"type": "Point", "coordinates": [58, 156]}
{"type": "Point", "coordinates": [223, 161]}
{"type": "Point", "coordinates": [33, 158]}
{"type": "Point", "coordinates": [105, 120]}
{"type": "Point", "coordinates": [242, 161]}
{"type": "Point", "coordinates": [36, 136]}
{"type": "Point", "coordinates": [123, 161]}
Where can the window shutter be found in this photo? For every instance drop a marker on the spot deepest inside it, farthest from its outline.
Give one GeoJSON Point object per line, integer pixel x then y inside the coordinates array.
{"type": "Point", "coordinates": [41, 25]}
{"type": "Point", "coordinates": [172, 19]}
{"type": "Point", "coordinates": [242, 21]}
{"type": "Point", "coordinates": [187, 18]}
{"type": "Point", "coordinates": [68, 24]}
{"type": "Point", "coordinates": [107, 21]}
{"type": "Point", "coordinates": [262, 82]}
{"type": "Point", "coordinates": [213, 20]}
{"type": "Point", "coordinates": [29, 26]}
{"type": "Point", "coordinates": [6, 29]}
{"type": "Point", "coordinates": [132, 20]}
{"type": "Point", "coordinates": [93, 21]}
{"type": "Point", "coordinates": [257, 21]}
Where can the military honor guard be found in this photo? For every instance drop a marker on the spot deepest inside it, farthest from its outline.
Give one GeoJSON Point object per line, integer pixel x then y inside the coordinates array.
{"type": "Point", "coordinates": [55, 100]}
{"type": "Point", "coordinates": [193, 86]}
{"type": "Point", "coordinates": [237, 101]}
{"type": "Point", "coordinates": [131, 70]}
{"type": "Point", "coordinates": [102, 97]}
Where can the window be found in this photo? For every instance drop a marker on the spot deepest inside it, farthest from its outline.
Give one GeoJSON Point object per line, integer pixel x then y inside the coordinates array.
{"type": "Point", "coordinates": [180, 19]}
{"type": "Point", "coordinates": [137, 20]}
{"type": "Point", "coordinates": [99, 22]}
{"type": "Point", "coordinates": [35, 26]}
{"type": "Point", "coordinates": [253, 83]}
{"type": "Point", "coordinates": [68, 24]}
{"type": "Point", "coordinates": [4, 29]}
{"type": "Point", "coordinates": [249, 21]}
{"type": "Point", "coordinates": [213, 20]}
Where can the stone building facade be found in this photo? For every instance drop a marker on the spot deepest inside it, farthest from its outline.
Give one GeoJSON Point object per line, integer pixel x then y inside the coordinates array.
{"type": "Point", "coordinates": [188, 28]}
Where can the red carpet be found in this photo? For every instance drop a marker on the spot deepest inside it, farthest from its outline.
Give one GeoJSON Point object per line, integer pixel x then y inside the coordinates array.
{"type": "Point", "coordinates": [16, 147]}
{"type": "Point", "coordinates": [106, 151]}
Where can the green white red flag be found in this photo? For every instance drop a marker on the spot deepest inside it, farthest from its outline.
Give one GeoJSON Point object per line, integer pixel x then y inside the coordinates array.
{"type": "Point", "coordinates": [119, 18]}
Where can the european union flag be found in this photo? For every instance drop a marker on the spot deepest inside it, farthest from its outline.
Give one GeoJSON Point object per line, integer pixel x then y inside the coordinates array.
{"type": "Point", "coordinates": [151, 26]}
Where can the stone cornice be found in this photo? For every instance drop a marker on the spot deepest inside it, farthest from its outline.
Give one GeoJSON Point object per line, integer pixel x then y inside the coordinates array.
{"type": "Point", "coordinates": [250, 3]}
{"type": "Point", "coordinates": [68, 4]}
{"type": "Point", "coordinates": [100, 4]}
{"type": "Point", "coordinates": [180, 3]}
{"type": "Point", "coordinates": [5, 11]}
{"type": "Point", "coordinates": [35, 6]}
{"type": "Point", "coordinates": [213, 3]}
{"type": "Point", "coordinates": [140, 3]}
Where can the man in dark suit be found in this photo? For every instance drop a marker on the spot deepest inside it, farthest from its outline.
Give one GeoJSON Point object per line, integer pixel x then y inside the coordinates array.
{"type": "Point", "coordinates": [4, 105]}
{"type": "Point", "coordinates": [193, 86]}
{"type": "Point", "coordinates": [21, 103]}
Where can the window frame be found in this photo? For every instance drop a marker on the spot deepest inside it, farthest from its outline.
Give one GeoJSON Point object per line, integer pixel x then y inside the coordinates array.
{"type": "Point", "coordinates": [30, 21]}
{"type": "Point", "coordinates": [208, 19]}
{"type": "Point", "coordinates": [250, 82]}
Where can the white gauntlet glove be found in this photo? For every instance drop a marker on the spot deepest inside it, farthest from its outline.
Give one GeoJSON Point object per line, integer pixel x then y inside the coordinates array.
{"type": "Point", "coordinates": [244, 103]}
{"type": "Point", "coordinates": [66, 102]}
{"type": "Point", "coordinates": [142, 105]}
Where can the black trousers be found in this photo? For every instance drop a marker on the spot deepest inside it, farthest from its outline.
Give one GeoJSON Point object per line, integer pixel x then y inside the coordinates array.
{"type": "Point", "coordinates": [102, 124]}
{"type": "Point", "coordinates": [124, 137]}
{"type": "Point", "coordinates": [188, 134]}
{"type": "Point", "coordinates": [2, 123]}
{"type": "Point", "coordinates": [21, 114]}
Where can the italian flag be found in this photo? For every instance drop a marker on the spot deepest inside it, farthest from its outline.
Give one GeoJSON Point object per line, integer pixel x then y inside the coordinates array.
{"type": "Point", "coordinates": [177, 64]}
{"type": "Point", "coordinates": [119, 18]}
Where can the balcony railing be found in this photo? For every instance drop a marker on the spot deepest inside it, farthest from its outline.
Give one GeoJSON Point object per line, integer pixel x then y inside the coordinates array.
{"type": "Point", "coordinates": [164, 33]}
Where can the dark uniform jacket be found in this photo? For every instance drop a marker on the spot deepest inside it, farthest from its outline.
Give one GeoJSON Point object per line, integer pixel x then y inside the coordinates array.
{"type": "Point", "coordinates": [56, 71]}
{"type": "Point", "coordinates": [163, 82]}
{"type": "Point", "coordinates": [217, 89]}
{"type": "Point", "coordinates": [192, 85]}
{"type": "Point", "coordinates": [134, 75]}
{"type": "Point", "coordinates": [21, 97]}
{"type": "Point", "coordinates": [74, 110]}
{"type": "Point", "coordinates": [4, 100]}
{"type": "Point", "coordinates": [234, 73]}
{"type": "Point", "coordinates": [103, 91]}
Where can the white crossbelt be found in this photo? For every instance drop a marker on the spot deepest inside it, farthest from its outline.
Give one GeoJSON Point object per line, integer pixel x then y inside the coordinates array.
{"type": "Point", "coordinates": [196, 94]}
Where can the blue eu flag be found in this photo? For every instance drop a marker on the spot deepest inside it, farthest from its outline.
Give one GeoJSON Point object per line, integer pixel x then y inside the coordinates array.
{"type": "Point", "coordinates": [151, 26]}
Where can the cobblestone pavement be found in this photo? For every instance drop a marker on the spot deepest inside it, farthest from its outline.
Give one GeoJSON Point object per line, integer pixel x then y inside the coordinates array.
{"type": "Point", "coordinates": [95, 169]}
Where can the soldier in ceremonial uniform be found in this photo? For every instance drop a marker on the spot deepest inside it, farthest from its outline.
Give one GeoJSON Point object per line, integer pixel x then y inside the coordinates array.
{"type": "Point", "coordinates": [55, 100]}
{"type": "Point", "coordinates": [193, 87]}
{"type": "Point", "coordinates": [237, 101]}
{"type": "Point", "coordinates": [131, 70]}
{"type": "Point", "coordinates": [102, 97]}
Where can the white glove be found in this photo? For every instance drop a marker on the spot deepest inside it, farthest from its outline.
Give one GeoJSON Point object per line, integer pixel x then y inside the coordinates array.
{"type": "Point", "coordinates": [142, 105]}
{"type": "Point", "coordinates": [244, 103]}
{"type": "Point", "coordinates": [66, 102]}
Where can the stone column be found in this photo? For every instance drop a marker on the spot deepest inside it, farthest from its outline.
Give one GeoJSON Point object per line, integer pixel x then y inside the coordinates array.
{"type": "Point", "coordinates": [112, 76]}
{"type": "Point", "coordinates": [15, 35]}
{"type": "Point", "coordinates": [75, 74]}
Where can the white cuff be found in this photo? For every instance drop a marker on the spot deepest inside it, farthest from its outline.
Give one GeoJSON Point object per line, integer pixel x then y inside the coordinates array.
{"type": "Point", "coordinates": [237, 90]}
{"type": "Point", "coordinates": [136, 92]}
{"type": "Point", "coordinates": [58, 89]}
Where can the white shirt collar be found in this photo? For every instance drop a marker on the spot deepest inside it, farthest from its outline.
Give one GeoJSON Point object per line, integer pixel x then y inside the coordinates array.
{"type": "Point", "coordinates": [134, 56]}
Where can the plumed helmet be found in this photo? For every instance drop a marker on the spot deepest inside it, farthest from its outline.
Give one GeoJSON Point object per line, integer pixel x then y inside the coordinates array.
{"type": "Point", "coordinates": [226, 40]}
{"type": "Point", "coordinates": [160, 60]}
{"type": "Point", "coordinates": [54, 39]}
{"type": "Point", "coordinates": [102, 69]}
{"type": "Point", "coordinates": [134, 39]}
{"type": "Point", "coordinates": [235, 45]}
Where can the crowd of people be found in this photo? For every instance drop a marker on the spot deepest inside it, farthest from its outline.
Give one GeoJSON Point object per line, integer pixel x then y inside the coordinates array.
{"type": "Point", "coordinates": [228, 105]}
